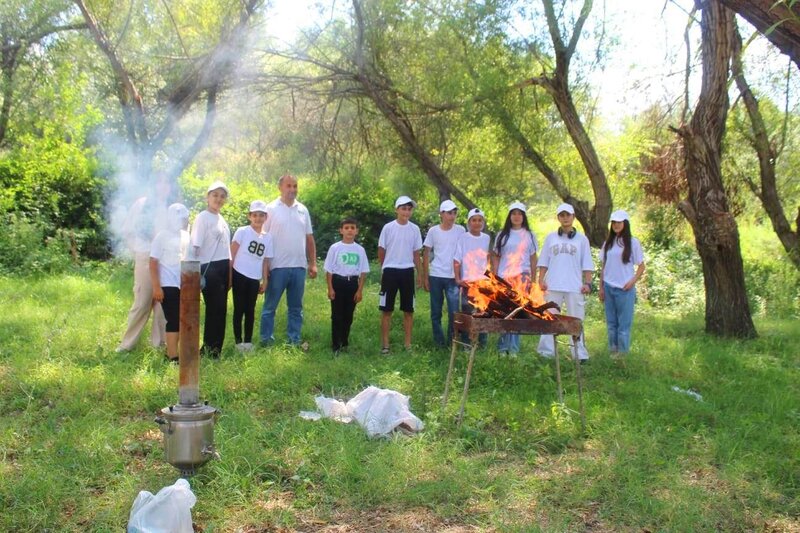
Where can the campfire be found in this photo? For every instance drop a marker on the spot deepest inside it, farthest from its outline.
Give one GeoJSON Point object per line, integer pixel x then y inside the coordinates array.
{"type": "Point", "coordinates": [495, 297]}
{"type": "Point", "coordinates": [509, 306]}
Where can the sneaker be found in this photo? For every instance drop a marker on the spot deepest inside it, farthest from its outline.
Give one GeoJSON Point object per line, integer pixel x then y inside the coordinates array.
{"type": "Point", "coordinates": [240, 346]}
{"type": "Point", "coordinates": [247, 346]}
{"type": "Point", "coordinates": [385, 350]}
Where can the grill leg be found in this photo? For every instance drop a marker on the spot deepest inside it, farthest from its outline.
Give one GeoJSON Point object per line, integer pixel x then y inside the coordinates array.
{"type": "Point", "coordinates": [579, 378]}
{"type": "Point", "coordinates": [559, 390]}
{"type": "Point", "coordinates": [449, 372]}
{"type": "Point", "coordinates": [466, 382]}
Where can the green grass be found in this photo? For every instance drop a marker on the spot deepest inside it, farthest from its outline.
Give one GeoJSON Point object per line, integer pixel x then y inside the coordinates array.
{"type": "Point", "coordinates": [77, 440]}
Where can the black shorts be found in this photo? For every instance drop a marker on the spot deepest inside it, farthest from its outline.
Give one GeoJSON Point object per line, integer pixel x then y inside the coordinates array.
{"type": "Point", "coordinates": [393, 280]}
{"type": "Point", "coordinates": [171, 305]}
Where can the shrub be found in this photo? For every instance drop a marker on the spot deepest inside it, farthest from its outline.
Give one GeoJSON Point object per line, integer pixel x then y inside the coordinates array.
{"type": "Point", "coordinates": [329, 201]}
{"type": "Point", "coordinates": [27, 248]}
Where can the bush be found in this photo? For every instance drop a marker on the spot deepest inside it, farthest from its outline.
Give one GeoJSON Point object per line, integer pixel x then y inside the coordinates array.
{"type": "Point", "coordinates": [330, 201]}
{"type": "Point", "coordinates": [674, 279]}
{"type": "Point", "coordinates": [27, 248]}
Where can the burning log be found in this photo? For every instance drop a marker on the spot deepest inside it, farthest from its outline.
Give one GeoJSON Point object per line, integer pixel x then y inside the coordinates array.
{"type": "Point", "coordinates": [495, 297]}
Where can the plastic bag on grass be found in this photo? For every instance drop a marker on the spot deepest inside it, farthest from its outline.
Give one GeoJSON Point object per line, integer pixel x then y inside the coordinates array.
{"type": "Point", "coordinates": [169, 511]}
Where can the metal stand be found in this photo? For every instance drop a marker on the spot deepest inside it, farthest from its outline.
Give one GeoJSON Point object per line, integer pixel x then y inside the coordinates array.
{"type": "Point", "coordinates": [465, 323]}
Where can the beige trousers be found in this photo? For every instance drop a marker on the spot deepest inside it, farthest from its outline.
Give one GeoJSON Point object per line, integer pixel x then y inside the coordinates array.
{"type": "Point", "coordinates": [142, 305]}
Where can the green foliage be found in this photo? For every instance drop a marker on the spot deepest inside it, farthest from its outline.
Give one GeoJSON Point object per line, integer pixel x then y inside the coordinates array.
{"type": "Point", "coordinates": [31, 247]}
{"type": "Point", "coordinates": [368, 200]}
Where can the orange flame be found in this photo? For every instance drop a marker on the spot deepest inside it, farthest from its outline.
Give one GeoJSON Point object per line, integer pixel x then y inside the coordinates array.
{"type": "Point", "coordinates": [488, 287]}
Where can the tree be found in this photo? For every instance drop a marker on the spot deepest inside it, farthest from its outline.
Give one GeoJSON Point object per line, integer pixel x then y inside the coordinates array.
{"type": "Point", "coordinates": [727, 311]}
{"type": "Point", "coordinates": [556, 82]}
{"type": "Point", "coordinates": [22, 26]}
{"type": "Point", "coordinates": [768, 151]}
{"type": "Point", "coordinates": [194, 75]}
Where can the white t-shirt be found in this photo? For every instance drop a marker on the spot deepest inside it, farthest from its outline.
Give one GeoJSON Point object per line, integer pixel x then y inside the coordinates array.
{"type": "Point", "coordinates": [288, 227]}
{"type": "Point", "coordinates": [170, 248]}
{"type": "Point", "coordinates": [442, 244]}
{"type": "Point", "coordinates": [615, 272]}
{"type": "Point", "coordinates": [566, 259]}
{"type": "Point", "coordinates": [346, 259]}
{"type": "Point", "coordinates": [400, 241]}
{"type": "Point", "coordinates": [212, 235]}
{"type": "Point", "coordinates": [472, 253]}
{"type": "Point", "coordinates": [253, 249]}
{"type": "Point", "coordinates": [144, 220]}
{"type": "Point", "coordinates": [515, 258]}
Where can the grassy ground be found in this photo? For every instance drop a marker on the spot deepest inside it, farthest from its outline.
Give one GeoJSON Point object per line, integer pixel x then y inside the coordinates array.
{"type": "Point", "coordinates": [77, 440]}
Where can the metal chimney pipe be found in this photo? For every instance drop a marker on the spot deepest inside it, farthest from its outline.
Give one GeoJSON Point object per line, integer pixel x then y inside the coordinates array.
{"type": "Point", "coordinates": [189, 354]}
{"type": "Point", "coordinates": [188, 426]}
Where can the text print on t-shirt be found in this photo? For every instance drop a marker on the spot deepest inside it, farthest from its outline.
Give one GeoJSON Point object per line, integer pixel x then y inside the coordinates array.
{"type": "Point", "coordinates": [349, 258]}
{"type": "Point", "coordinates": [256, 248]}
{"type": "Point", "coordinates": [563, 248]}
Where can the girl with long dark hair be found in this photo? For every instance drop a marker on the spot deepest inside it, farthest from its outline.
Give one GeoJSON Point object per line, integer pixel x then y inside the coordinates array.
{"type": "Point", "coordinates": [620, 253]}
{"type": "Point", "coordinates": [514, 259]}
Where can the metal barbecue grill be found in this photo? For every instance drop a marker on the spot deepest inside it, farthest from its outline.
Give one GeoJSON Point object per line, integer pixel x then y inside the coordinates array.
{"type": "Point", "coordinates": [475, 324]}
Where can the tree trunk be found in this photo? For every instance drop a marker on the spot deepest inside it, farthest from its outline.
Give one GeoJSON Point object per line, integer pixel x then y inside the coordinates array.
{"type": "Point", "coordinates": [594, 220]}
{"type": "Point", "coordinates": [706, 208]}
{"type": "Point", "coordinates": [767, 192]}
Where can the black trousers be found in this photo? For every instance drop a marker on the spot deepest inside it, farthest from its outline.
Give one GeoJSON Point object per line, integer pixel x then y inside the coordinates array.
{"type": "Point", "coordinates": [245, 295]}
{"type": "Point", "coordinates": [342, 308]}
{"type": "Point", "coordinates": [215, 296]}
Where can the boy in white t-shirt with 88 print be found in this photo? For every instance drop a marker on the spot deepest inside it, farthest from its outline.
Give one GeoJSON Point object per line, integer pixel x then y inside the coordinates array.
{"type": "Point", "coordinates": [251, 251]}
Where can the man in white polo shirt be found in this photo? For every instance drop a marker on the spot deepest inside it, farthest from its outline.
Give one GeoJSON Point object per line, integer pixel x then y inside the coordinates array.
{"type": "Point", "coordinates": [289, 224]}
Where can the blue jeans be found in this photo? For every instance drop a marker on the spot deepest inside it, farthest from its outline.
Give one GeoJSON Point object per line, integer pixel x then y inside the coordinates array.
{"type": "Point", "coordinates": [293, 281]}
{"type": "Point", "coordinates": [510, 342]}
{"type": "Point", "coordinates": [619, 317]}
{"type": "Point", "coordinates": [442, 289]}
{"type": "Point", "coordinates": [467, 307]}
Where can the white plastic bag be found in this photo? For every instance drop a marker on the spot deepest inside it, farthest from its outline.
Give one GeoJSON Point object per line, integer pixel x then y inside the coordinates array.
{"type": "Point", "coordinates": [169, 511]}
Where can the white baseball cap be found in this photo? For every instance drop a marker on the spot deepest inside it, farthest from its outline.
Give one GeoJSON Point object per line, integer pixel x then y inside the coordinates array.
{"type": "Point", "coordinates": [619, 216]}
{"type": "Point", "coordinates": [403, 200]}
{"type": "Point", "coordinates": [218, 185]}
{"type": "Point", "coordinates": [257, 206]}
{"type": "Point", "coordinates": [177, 217]}
{"type": "Point", "coordinates": [447, 205]}
{"type": "Point", "coordinates": [565, 207]}
{"type": "Point", "coordinates": [475, 212]}
{"type": "Point", "coordinates": [178, 211]}
{"type": "Point", "coordinates": [517, 205]}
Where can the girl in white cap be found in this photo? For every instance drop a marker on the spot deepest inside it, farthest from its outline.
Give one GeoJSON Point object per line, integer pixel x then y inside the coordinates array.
{"type": "Point", "coordinates": [167, 251]}
{"type": "Point", "coordinates": [251, 251]}
{"type": "Point", "coordinates": [211, 244]}
{"type": "Point", "coordinates": [514, 260]}
{"type": "Point", "coordinates": [618, 280]}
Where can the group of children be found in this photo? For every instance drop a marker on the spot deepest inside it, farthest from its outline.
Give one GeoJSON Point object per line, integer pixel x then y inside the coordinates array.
{"type": "Point", "coordinates": [241, 263]}
{"type": "Point", "coordinates": [447, 260]}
